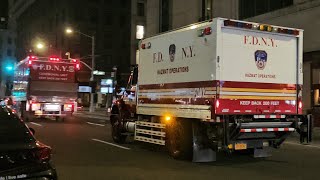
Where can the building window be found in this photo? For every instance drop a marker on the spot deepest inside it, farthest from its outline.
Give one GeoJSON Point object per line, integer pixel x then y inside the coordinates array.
{"type": "Point", "coordinates": [108, 40]}
{"type": "Point", "coordinates": [9, 52]}
{"type": "Point", "coordinates": [251, 8]}
{"type": "Point", "coordinates": [9, 40]}
{"type": "Point", "coordinates": [140, 9]}
{"type": "Point", "coordinates": [140, 32]}
{"type": "Point", "coordinates": [122, 21]}
{"type": "Point", "coordinates": [123, 3]}
{"type": "Point", "coordinates": [108, 19]}
{"type": "Point", "coordinates": [164, 15]}
{"type": "Point", "coordinates": [109, 59]}
{"type": "Point", "coordinates": [206, 10]}
{"type": "Point", "coordinates": [93, 14]}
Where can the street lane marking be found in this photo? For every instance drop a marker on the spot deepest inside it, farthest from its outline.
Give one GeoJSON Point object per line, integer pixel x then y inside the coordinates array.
{"type": "Point", "coordinates": [307, 145]}
{"type": "Point", "coordinates": [116, 145]}
{"type": "Point", "coordinates": [95, 124]}
{"type": "Point", "coordinates": [35, 124]}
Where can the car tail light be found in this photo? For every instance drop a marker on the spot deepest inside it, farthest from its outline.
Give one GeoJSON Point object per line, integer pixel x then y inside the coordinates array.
{"type": "Point", "coordinates": [68, 107]}
{"type": "Point", "coordinates": [42, 152]}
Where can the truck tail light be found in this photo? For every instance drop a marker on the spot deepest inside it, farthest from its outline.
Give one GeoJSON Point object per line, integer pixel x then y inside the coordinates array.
{"type": "Point", "coordinates": [78, 66]}
{"type": "Point", "coordinates": [300, 105]}
{"type": "Point", "coordinates": [35, 106]}
{"type": "Point", "coordinates": [217, 103]}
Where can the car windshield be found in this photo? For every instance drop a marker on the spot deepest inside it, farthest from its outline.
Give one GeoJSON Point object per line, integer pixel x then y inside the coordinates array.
{"type": "Point", "coordinates": [12, 130]}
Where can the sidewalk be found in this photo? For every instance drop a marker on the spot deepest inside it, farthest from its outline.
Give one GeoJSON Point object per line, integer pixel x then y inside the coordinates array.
{"type": "Point", "coordinates": [295, 137]}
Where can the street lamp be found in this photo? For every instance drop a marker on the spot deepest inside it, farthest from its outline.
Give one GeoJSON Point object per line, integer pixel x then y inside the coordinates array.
{"type": "Point", "coordinates": [40, 45]}
{"type": "Point", "coordinates": [69, 31]}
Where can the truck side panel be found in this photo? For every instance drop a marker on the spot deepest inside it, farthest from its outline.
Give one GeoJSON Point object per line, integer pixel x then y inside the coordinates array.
{"type": "Point", "coordinates": [177, 73]}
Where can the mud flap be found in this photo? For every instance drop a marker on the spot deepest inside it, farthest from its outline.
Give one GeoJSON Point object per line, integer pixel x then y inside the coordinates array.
{"type": "Point", "coordinates": [262, 152]}
{"type": "Point", "coordinates": [201, 150]}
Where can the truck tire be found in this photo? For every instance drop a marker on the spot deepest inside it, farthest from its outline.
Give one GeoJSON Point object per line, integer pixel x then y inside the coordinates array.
{"type": "Point", "coordinates": [179, 139]}
{"type": "Point", "coordinates": [117, 129]}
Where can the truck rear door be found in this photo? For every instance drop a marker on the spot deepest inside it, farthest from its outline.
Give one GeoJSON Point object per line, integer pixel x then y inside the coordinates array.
{"type": "Point", "coordinates": [260, 71]}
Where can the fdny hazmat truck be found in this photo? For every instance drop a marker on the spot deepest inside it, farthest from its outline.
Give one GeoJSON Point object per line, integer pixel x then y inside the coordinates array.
{"type": "Point", "coordinates": [45, 87]}
{"type": "Point", "coordinates": [220, 85]}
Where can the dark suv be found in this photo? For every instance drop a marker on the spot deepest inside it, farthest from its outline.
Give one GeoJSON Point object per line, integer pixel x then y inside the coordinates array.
{"type": "Point", "coordinates": [21, 155]}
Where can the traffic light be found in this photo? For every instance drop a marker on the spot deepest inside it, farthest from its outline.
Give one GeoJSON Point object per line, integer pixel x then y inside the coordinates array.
{"type": "Point", "coordinates": [9, 68]}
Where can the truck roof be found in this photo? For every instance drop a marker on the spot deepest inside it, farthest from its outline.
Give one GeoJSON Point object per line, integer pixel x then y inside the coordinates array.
{"type": "Point", "coordinates": [207, 22]}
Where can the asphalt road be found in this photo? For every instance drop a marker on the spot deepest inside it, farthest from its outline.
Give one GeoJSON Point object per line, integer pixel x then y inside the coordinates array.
{"type": "Point", "coordinates": [82, 149]}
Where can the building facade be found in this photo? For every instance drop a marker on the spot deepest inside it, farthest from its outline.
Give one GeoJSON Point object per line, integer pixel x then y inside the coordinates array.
{"type": "Point", "coordinates": [110, 21]}
{"type": "Point", "coordinates": [7, 51]}
{"type": "Point", "coordinates": [113, 23]}
{"type": "Point", "coordinates": [163, 15]}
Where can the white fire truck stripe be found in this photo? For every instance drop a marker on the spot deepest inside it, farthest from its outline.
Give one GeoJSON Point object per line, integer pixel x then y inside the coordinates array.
{"type": "Point", "coordinates": [267, 130]}
{"type": "Point", "coordinates": [268, 116]}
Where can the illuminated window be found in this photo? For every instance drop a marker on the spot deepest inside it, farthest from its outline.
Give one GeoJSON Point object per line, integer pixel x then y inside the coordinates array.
{"type": "Point", "coordinates": [316, 97]}
{"type": "Point", "coordinates": [140, 32]}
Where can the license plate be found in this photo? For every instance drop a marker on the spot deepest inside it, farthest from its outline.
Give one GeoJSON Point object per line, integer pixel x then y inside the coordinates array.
{"type": "Point", "coordinates": [240, 146]}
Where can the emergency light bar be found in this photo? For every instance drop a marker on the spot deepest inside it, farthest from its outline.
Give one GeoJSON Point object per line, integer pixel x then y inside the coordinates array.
{"type": "Point", "coordinates": [261, 27]}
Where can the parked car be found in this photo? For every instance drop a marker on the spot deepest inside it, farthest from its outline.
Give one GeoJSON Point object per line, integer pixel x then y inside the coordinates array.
{"type": "Point", "coordinates": [21, 155]}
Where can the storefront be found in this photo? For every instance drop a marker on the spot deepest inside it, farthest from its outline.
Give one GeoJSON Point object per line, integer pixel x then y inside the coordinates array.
{"type": "Point", "coordinates": [312, 85]}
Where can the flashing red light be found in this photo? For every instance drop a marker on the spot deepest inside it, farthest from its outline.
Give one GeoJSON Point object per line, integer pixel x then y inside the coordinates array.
{"type": "Point", "coordinates": [143, 46]}
{"type": "Point", "coordinates": [32, 57]}
{"type": "Point", "coordinates": [29, 62]}
{"type": "Point", "coordinates": [54, 59]}
{"type": "Point", "coordinates": [300, 105]}
{"type": "Point", "coordinates": [207, 31]}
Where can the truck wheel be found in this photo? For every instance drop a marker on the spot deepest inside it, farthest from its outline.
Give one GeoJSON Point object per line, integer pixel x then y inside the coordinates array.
{"type": "Point", "coordinates": [117, 129]}
{"type": "Point", "coordinates": [179, 139]}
